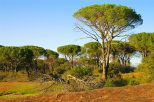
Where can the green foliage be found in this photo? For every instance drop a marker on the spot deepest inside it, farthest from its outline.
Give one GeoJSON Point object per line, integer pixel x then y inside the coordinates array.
{"type": "Point", "coordinates": [132, 82]}
{"type": "Point", "coordinates": [60, 61]}
{"type": "Point", "coordinates": [147, 67]}
{"type": "Point", "coordinates": [1, 46]}
{"type": "Point", "coordinates": [115, 83]}
{"type": "Point", "coordinates": [51, 54]}
{"type": "Point", "coordinates": [115, 68]}
{"type": "Point", "coordinates": [92, 49]}
{"type": "Point", "coordinates": [91, 53]}
{"type": "Point", "coordinates": [12, 57]}
{"type": "Point", "coordinates": [122, 52]}
{"type": "Point", "coordinates": [109, 83]}
{"type": "Point", "coordinates": [37, 51]}
{"type": "Point", "coordinates": [143, 42]}
{"type": "Point", "coordinates": [115, 15]}
{"type": "Point", "coordinates": [59, 70]}
{"type": "Point", "coordinates": [69, 50]}
{"type": "Point", "coordinates": [1, 93]}
{"type": "Point", "coordinates": [81, 72]}
{"type": "Point", "coordinates": [106, 22]}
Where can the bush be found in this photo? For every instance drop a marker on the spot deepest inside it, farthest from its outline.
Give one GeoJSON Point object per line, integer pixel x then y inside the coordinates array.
{"type": "Point", "coordinates": [61, 69]}
{"type": "Point", "coordinates": [109, 83]}
{"type": "Point", "coordinates": [127, 69]}
{"type": "Point", "coordinates": [115, 83]}
{"type": "Point", "coordinates": [147, 68]}
{"type": "Point", "coordinates": [2, 77]}
{"type": "Point", "coordinates": [114, 69]}
{"type": "Point", "coordinates": [81, 72]}
{"type": "Point", "coordinates": [132, 82]}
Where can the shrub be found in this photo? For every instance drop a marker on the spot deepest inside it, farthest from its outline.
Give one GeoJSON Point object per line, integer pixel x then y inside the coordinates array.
{"type": "Point", "coordinates": [147, 68]}
{"type": "Point", "coordinates": [100, 70]}
{"type": "Point", "coordinates": [109, 83]}
{"type": "Point", "coordinates": [1, 93]}
{"type": "Point", "coordinates": [80, 72]}
{"type": "Point", "coordinates": [132, 82]}
{"type": "Point", "coordinates": [61, 69]}
{"type": "Point", "coordinates": [115, 83]}
{"type": "Point", "coordinates": [127, 69]}
{"type": "Point", "coordinates": [2, 77]}
{"type": "Point", "coordinates": [114, 69]}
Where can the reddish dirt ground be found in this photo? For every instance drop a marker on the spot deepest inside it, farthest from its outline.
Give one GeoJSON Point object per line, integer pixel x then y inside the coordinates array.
{"type": "Point", "coordinates": [140, 93]}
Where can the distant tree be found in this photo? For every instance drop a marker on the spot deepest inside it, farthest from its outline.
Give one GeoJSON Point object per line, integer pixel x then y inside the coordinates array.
{"type": "Point", "coordinates": [69, 51]}
{"type": "Point", "coordinates": [50, 61]}
{"type": "Point", "coordinates": [147, 68]}
{"type": "Point", "coordinates": [37, 51]}
{"type": "Point", "coordinates": [51, 54]}
{"type": "Point", "coordinates": [106, 22]}
{"type": "Point", "coordinates": [122, 51]}
{"type": "Point", "coordinates": [92, 50]}
{"type": "Point", "coordinates": [143, 42]}
{"type": "Point", "coordinates": [13, 57]}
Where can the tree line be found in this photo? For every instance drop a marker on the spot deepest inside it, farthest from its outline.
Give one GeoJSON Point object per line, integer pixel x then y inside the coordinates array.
{"type": "Point", "coordinates": [34, 59]}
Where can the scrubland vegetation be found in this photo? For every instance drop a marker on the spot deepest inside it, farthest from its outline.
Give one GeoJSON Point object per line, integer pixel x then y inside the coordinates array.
{"type": "Point", "coordinates": [33, 70]}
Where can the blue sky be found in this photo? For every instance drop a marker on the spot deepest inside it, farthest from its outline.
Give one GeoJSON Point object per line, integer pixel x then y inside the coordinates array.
{"type": "Point", "coordinates": [49, 23]}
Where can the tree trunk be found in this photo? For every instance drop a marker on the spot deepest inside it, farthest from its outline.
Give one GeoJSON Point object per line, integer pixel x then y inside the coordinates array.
{"type": "Point", "coordinates": [72, 62]}
{"type": "Point", "coordinates": [144, 54]}
{"type": "Point", "coordinates": [104, 75]}
{"type": "Point", "coordinates": [105, 58]}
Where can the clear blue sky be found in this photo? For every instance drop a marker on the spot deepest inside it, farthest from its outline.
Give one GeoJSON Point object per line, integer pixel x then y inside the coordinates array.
{"type": "Point", "coordinates": [49, 23]}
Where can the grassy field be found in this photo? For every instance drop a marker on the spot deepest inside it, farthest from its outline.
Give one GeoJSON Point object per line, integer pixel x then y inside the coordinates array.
{"type": "Point", "coordinates": [22, 89]}
{"type": "Point", "coordinates": [18, 89]}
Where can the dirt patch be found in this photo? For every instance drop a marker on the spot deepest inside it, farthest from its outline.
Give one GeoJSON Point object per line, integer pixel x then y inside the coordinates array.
{"type": "Point", "coordinates": [140, 93]}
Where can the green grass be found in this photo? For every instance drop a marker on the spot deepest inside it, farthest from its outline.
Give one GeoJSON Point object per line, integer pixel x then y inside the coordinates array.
{"type": "Point", "coordinates": [22, 89]}
{"type": "Point", "coordinates": [18, 96]}
{"type": "Point", "coordinates": [26, 89]}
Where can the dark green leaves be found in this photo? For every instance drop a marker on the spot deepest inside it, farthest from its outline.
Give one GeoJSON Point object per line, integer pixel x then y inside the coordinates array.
{"type": "Point", "coordinates": [69, 50]}
{"type": "Point", "coordinates": [109, 16]}
{"type": "Point", "coordinates": [143, 42]}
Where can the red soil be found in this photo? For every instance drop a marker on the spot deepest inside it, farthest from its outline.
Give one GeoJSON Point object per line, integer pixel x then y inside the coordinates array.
{"type": "Point", "coordinates": [140, 93]}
